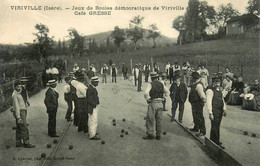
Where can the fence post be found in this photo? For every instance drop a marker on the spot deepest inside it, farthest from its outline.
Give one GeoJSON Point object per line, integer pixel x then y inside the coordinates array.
{"type": "Point", "coordinates": [88, 65]}
{"type": "Point", "coordinates": [241, 70]}
{"type": "Point", "coordinates": [131, 64]}
{"type": "Point", "coordinates": [218, 67]}
{"type": "Point", "coordinates": [152, 64]}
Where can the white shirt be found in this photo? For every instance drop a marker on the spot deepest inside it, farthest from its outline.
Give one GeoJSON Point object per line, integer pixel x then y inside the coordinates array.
{"type": "Point", "coordinates": [149, 87]}
{"type": "Point", "coordinates": [136, 72]}
{"type": "Point", "coordinates": [75, 69]}
{"type": "Point", "coordinates": [209, 94]}
{"type": "Point", "coordinates": [167, 67]}
{"type": "Point", "coordinates": [94, 69]}
{"type": "Point", "coordinates": [81, 90]}
{"type": "Point", "coordinates": [200, 89]}
{"type": "Point", "coordinates": [49, 71]}
{"type": "Point", "coordinates": [54, 70]}
{"type": "Point", "coordinates": [66, 88]}
{"type": "Point", "coordinates": [18, 102]}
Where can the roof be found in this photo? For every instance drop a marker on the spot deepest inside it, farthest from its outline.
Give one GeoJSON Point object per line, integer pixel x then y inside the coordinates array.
{"type": "Point", "coordinates": [243, 18]}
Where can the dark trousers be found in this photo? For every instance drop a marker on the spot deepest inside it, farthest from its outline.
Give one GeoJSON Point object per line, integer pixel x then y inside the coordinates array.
{"type": "Point", "coordinates": [125, 75]}
{"type": "Point", "coordinates": [139, 85]}
{"type": "Point", "coordinates": [22, 132]}
{"type": "Point", "coordinates": [146, 76]}
{"type": "Point", "coordinates": [69, 110]}
{"type": "Point", "coordinates": [76, 112]}
{"type": "Point", "coordinates": [52, 122]}
{"type": "Point", "coordinates": [83, 115]}
{"type": "Point", "coordinates": [135, 81]}
{"type": "Point", "coordinates": [215, 127]}
{"type": "Point", "coordinates": [174, 108]}
{"type": "Point", "coordinates": [171, 78]}
{"type": "Point", "coordinates": [198, 118]}
{"type": "Point", "coordinates": [113, 78]}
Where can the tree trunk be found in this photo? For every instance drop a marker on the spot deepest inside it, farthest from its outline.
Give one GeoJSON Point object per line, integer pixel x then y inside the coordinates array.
{"type": "Point", "coordinates": [154, 43]}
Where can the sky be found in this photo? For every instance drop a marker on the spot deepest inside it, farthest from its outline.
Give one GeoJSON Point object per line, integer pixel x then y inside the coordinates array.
{"type": "Point", "coordinates": [18, 26]}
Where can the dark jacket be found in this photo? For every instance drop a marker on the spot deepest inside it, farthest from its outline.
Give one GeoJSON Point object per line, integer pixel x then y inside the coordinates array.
{"type": "Point", "coordinates": [92, 99]}
{"type": "Point", "coordinates": [178, 93]}
{"type": "Point", "coordinates": [51, 100]}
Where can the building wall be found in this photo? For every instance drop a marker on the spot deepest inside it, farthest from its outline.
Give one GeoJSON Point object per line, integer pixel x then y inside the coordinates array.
{"type": "Point", "coordinates": [234, 28]}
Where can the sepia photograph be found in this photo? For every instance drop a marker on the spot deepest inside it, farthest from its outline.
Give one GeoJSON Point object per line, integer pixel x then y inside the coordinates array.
{"type": "Point", "coordinates": [129, 83]}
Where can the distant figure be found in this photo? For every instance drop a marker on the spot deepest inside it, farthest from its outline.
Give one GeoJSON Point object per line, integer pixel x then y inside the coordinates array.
{"type": "Point", "coordinates": [186, 74]}
{"type": "Point", "coordinates": [90, 74]}
{"type": "Point", "coordinates": [135, 72]}
{"type": "Point", "coordinates": [93, 69]}
{"type": "Point", "coordinates": [168, 65]}
{"type": "Point", "coordinates": [92, 108]}
{"type": "Point", "coordinates": [20, 114]}
{"type": "Point", "coordinates": [177, 69]}
{"type": "Point", "coordinates": [139, 85]}
{"type": "Point", "coordinates": [171, 73]}
{"type": "Point", "coordinates": [113, 72]}
{"type": "Point", "coordinates": [51, 103]}
{"type": "Point", "coordinates": [204, 73]}
{"type": "Point", "coordinates": [156, 68]}
{"type": "Point", "coordinates": [75, 68]}
{"type": "Point", "coordinates": [146, 70]}
{"type": "Point", "coordinates": [124, 71]}
{"type": "Point", "coordinates": [104, 71]}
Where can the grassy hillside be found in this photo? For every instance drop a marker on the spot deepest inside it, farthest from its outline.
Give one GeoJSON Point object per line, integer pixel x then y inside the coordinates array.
{"type": "Point", "coordinates": [102, 37]}
{"type": "Point", "coordinates": [238, 54]}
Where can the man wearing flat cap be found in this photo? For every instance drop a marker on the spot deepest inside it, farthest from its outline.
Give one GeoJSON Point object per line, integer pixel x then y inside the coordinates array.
{"type": "Point", "coordinates": [197, 98]}
{"type": "Point", "coordinates": [92, 107]}
{"type": "Point", "coordinates": [178, 94]}
{"type": "Point", "coordinates": [217, 108]}
{"type": "Point", "coordinates": [20, 113]}
{"type": "Point", "coordinates": [51, 103]}
{"type": "Point", "coordinates": [154, 94]}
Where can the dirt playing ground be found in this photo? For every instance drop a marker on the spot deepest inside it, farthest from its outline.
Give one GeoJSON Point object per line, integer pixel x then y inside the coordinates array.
{"type": "Point", "coordinates": [120, 101]}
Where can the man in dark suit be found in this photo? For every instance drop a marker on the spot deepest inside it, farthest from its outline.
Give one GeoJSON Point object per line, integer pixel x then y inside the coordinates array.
{"type": "Point", "coordinates": [92, 102]}
{"type": "Point", "coordinates": [178, 94]}
{"type": "Point", "coordinates": [51, 103]}
{"type": "Point", "coordinates": [139, 85]}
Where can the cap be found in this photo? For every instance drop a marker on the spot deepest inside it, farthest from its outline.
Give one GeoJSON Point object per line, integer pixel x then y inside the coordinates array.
{"type": "Point", "coordinates": [153, 74]}
{"type": "Point", "coordinates": [51, 82]}
{"type": "Point", "coordinates": [17, 82]}
{"type": "Point", "coordinates": [94, 79]}
{"type": "Point", "coordinates": [24, 79]}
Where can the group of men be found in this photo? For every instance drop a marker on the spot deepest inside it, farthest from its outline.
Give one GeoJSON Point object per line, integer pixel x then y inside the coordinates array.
{"type": "Point", "coordinates": [84, 97]}
{"type": "Point", "coordinates": [154, 95]}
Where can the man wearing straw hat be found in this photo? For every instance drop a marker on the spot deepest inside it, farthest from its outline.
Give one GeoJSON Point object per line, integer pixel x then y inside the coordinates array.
{"type": "Point", "coordinates": [113, 72]}
{"type": "Point", "coordinates": [92, 103]}
{"type": "Point", "coordinates": [154, 96]}
{"type": "Point", "coordinates": [24, 93]}
{"type": "Point", "coordinates": [20, 113]}
{"type": "Point", "coordinates": [51, 103]}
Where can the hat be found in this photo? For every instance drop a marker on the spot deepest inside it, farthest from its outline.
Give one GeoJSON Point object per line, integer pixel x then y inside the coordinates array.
{"type": "Point", "coordinates": [94, 79]}
{"type": "Point", "coordinates": [71, 74]}
{"type": "Point", "coordinates": [83, 69]}
{"type": "Point", "coordinates": [153, 74]}
{"type": "Point", "coordinates": [51, 82]}
{"type": "Point", "coordinates": [195, 75]}
{"type": "Point", "coordinates": [75, 64]}
{"type": "Point", "coordinates": [24, 79]}
{"type": "Point", "coordinates": [113, 64]}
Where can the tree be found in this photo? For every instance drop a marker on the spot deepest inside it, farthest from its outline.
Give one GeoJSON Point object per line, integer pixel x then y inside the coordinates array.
{"type": "Point", "coordinates": [135, 31]}
{"type": "Point", "coordinates": [59, 47]}
{"type": "Point", "coordinates": [43, 43]}
{"type": "Point", "coordinates": [253, 7]}
{"type": "Point", "coordinates": [153, 33]}
{"type": "Point", "coordinates": [76, 42]}
{"type": "Point", "coordinates": [119, 36]}
{"type": "Point", "coordinates": [179, 25]}
{"type": "Point", "coordinates": [224, 13]}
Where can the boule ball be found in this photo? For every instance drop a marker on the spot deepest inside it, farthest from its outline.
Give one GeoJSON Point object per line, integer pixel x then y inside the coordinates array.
{"type": "Point", "coordinates": [70, 147]}
{"type": "Point", "coordinates": [103, 142]}
{"type": "Point", "coordinates": [48, 145]}
{"type": "Point", "coordinates": [43, 155]}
